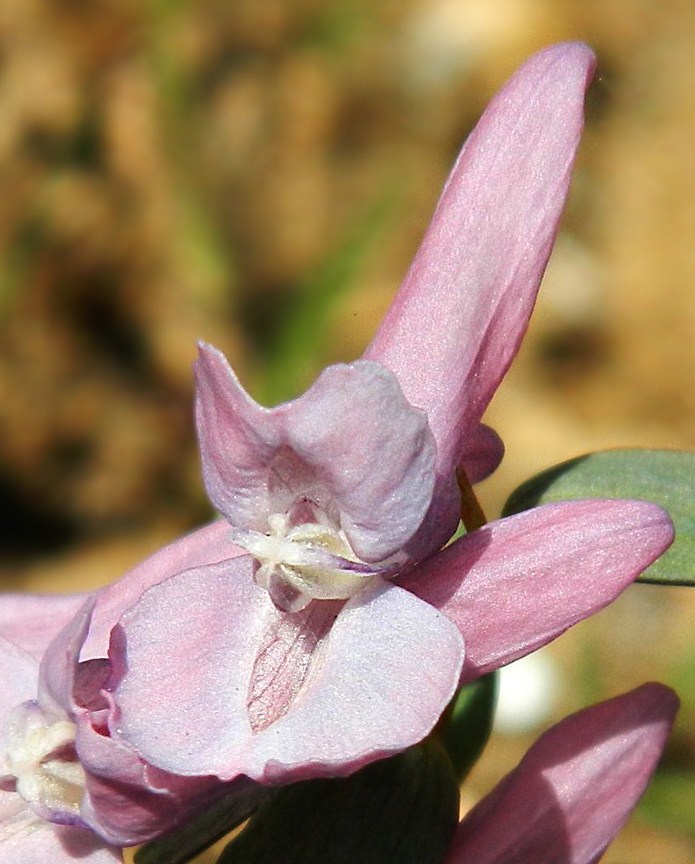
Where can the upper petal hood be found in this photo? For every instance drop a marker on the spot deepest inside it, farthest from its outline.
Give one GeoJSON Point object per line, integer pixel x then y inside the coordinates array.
{"type": "Point", "coordinates": [352, 445]}
{"type": "Point", "coordinates": [458, 318]}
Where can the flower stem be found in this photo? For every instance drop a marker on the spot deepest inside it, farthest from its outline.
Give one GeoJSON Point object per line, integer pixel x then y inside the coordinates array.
{"type": "Point", "coordinates": [472, 514]}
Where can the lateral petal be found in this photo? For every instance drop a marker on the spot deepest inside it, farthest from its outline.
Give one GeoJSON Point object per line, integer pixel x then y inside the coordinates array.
{"type": "Point", "coordinates": [516, 584]}
{"type": "Point", "coordinates": [458, 318]}
{"type": "Point", "coordinates": [206, 545]}
{"type": "Point", "coordinates": [575, 788]}
{"type": "Point", "coordinates": [238, 439]}
{"type": "Point", "coordinates": [374, 684]}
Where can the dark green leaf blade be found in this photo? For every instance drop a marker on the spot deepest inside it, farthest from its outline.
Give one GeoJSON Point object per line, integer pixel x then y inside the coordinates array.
{"type": "Point", "coordinates": [403, 809]}
{"type": "Point", "coordinates": [203, 830]}
{"type": "Point", "coordinates": [469, 723]}
{"type": "Point", "coordinates": [666, 477]}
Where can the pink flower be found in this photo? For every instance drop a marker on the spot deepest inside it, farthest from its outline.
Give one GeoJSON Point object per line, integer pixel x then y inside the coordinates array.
{"type": "Point", "coordinates": [42, 779]}
{"type": "Point", "coordinates": [574, 789]}
{"type": "Point", "coordinates": [339, 638]}
{"type": "Point", "coordinates": [68, 791]}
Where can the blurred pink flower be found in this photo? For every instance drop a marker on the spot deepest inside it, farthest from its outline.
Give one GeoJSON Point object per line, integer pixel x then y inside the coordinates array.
{"type": "Point", "coordinates": [338, 639]}
{"type": "Point", "coordinates": [574, 789]}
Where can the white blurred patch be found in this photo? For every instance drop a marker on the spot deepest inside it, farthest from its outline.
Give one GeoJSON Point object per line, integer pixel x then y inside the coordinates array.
{"type": "Point", "coordinates": [444, 39]}
{"type": "Point", "coordinates": [528, 691]}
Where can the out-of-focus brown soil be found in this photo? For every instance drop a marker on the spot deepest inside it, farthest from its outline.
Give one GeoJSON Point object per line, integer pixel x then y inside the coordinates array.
{"type": "Point", "coordinates": [170, 172]}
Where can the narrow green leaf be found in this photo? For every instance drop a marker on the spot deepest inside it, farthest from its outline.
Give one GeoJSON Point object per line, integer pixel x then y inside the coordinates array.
{"type": "Point", "coordinates": [469, 723]}
{"type": "Point", "coordinates": [403, 809]}
{"type": "Point", "coordinates": [665, 477]}
{"type": "Point", "coordinates": [202, 831]}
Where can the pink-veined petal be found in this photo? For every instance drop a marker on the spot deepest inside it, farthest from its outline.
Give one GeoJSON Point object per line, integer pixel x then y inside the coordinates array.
{"type": "Point", "coordinates": [458, 318]}
{"type": "Point", "coordinates": [206, 545]}
{"type": "Point", "coordinates": [574, 789]}
{"type": "Point", "coordinates": [516, 584]}
{"type": "Point", "coordinates": [32, 621]}
{"type": "Point", "coordinates": [369, 686]}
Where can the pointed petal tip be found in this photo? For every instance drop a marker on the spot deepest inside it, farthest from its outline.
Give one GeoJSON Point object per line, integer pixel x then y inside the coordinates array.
{"type": "Point", "coordinates": [656, 701]}
{"type": "Point", "coordinates": [570, 52]}
{"type": "Point", "coordinates": [576, 786]}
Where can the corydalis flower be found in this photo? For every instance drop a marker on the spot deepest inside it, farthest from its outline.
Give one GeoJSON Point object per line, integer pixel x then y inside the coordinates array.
{"type": "Point", "coordinates": [574, 789]}
{"type": "Point", "coordinates": [42, 779]}
{"type": "Point", "coordinates": [68, 790]}
{"type": "Point", "coordinates": [339, 638]}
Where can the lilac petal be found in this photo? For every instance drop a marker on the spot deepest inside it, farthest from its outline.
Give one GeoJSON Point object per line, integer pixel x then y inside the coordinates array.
{"type": "Point", "coordinates": [207, 545]}
{"type": "Point", "coordinates": [59, 663]}
{"type": "Point", "coordinates": [238, 439]}
{"type": "Point", "coordinates": [484, 452]}
{"type": "Point", "coordinates": [575, 788]}
{"type": "Point", "coordinates": [26, 839]}
{"type": "Point", "coordinates": [367, 687]}
{"type": "Point", "coordinates": [369, 467]}
{"type": "Point", "coordinates": [128, 802]}
{"type": "Point", "coordinates": [19, 675]}
{"type": "Point", "coordinates": [515, 584]}
{"type": "Point", "coordinates": [371, 450]}
{"type": "Point", "coordinates": [463, 308]}
{"type": "Point", "coordinates": [31, 621]}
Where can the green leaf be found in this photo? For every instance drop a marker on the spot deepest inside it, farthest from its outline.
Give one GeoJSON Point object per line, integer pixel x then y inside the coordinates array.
{"type": "Point", "coordinates": [668, 802]}
{"type": "Point", "coordinates": [469, 723]}
{"type": "Point", "coordinates": [403, 809]}
{"type": "Point", "coordinates": [203, 830]}
{"type": "Point", "coordinates": [665, 477]}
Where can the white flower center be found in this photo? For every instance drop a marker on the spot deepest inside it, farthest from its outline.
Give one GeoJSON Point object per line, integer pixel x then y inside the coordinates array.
{"type": "Point", "coordinates": [41, 757]}
{"type": "Point", "coordinates": [314, 560]}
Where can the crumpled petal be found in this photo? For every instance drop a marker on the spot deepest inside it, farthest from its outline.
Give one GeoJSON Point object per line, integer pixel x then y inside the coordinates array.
{"type": "Point", "coordinates": [370, 468]}
{"type": "Point", "coordinates": [458, 318]}
{"type": "Point", "coordinates": [574, 789]}
{"type": "Point", "coordinates": [127, 801]}
{"type": "Point", "coordinates": [515, 584]}
{"type": "Point", "coordinates": [32, 621]}
{"type": "Point", "coordinates": [362, 690]}
{"type": "Point", "coordinates": [58, 666]}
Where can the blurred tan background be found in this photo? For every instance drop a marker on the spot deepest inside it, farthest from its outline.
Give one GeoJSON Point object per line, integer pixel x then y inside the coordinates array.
{"type": "Point", "coordinates": [258, 173]}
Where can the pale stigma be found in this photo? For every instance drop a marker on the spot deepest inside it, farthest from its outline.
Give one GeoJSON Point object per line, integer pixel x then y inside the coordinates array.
{"type": "Point", "coordinates": [41, 757]}
{"type": "Point", "coordinates": [304, 562]}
